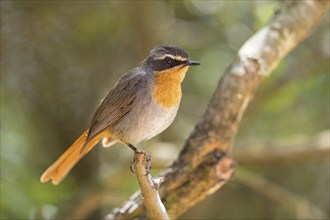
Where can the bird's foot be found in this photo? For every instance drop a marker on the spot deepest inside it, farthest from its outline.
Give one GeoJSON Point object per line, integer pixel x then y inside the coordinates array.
{"type": "Point", "coordinates": [148, 161]}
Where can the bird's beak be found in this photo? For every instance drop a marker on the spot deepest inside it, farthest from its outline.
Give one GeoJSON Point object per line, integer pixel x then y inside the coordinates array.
{"type": "Point", "coordinates": [191, 63]}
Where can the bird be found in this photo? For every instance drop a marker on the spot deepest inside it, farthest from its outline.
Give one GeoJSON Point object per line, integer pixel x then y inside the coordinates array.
{"type": "Point", "coordinates": [142, 104]}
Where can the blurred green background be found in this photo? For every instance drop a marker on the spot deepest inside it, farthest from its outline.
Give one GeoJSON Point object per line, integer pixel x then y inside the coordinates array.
{"type": "Point", "coordinates": [58, 59]}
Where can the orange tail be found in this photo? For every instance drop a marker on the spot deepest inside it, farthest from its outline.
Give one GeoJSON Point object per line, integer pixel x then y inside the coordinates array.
{"type": "Point", "coordinates": [58, 170]}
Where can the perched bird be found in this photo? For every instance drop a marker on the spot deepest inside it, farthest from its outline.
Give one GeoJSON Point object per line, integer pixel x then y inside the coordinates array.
{"type": "Point", "coordinates": [142, 104]}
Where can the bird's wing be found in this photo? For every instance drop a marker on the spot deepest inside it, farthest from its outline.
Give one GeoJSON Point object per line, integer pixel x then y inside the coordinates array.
{"type": "Point", "coordinates": [117, 103]}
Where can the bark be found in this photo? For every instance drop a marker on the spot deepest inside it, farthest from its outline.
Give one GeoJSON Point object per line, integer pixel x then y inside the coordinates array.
{"type": "Point", "coordinates": [203, 165]}
{"type": "Point", "coordinates": [149, 187]}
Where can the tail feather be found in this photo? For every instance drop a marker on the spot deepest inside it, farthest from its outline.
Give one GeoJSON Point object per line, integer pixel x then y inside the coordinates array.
{"type": "Point", "coordinates": [61, 167]}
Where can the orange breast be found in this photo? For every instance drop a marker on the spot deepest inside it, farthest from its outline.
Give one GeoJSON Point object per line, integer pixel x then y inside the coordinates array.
{"type": "Point", "coordinates": [167, 89]}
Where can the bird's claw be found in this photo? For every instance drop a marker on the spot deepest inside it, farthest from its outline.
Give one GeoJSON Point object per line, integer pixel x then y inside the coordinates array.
{"type": "Point", "coordinates": [132, 167]}
{"type": "Point", "coordinates": [147, 165]}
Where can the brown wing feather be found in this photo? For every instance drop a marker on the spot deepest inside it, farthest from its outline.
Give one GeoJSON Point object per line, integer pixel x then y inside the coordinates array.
{"type": "Point", "coordinates": [116, 104]}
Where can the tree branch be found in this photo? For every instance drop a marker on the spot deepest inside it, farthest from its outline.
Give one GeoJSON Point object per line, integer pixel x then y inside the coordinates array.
{"type": "Point", "coordinates": [149, 188]}
{"type": "Point", "coordinates": [214, 133]}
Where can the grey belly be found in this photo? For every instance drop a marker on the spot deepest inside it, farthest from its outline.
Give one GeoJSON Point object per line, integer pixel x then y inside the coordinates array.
{"type": "Point", "coordinates": [144, 122]}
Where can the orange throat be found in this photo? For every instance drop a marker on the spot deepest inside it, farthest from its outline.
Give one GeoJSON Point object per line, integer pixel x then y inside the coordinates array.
{"type": "Point", "coordinates": [167, 89]}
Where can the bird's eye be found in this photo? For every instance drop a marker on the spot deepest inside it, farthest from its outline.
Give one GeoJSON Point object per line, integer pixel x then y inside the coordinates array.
{"type": "Point", "coordinates": [168, 60]}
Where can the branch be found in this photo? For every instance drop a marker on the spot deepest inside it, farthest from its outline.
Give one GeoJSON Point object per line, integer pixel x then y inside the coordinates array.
{"type": "Point", "coordinates": [149, 188]}
{"type": "Point", "coordinates": [261, 154]}
{"type": "Point", "coordinates": [214, 133]}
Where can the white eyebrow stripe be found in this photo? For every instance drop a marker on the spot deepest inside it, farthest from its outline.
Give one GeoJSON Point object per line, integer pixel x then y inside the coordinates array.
{"type": "Point", "coordinates": [171, 56]}
{"type": "Point", "coordinates": [165, 55]}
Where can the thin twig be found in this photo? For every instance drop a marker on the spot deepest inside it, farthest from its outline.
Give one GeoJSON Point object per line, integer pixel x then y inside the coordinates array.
{"type": "Point", "coordinates": [149, 187]}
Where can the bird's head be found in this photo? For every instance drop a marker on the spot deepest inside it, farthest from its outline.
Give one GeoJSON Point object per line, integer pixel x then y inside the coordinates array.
{"type": "Point", "coordinates": [168, 58]}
